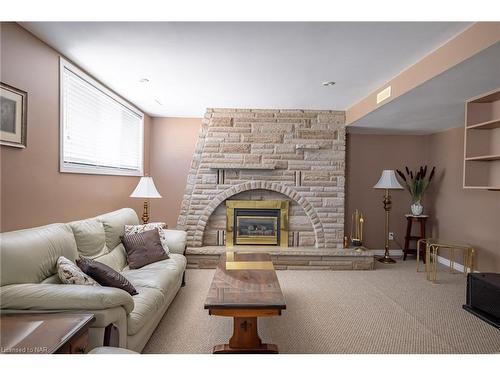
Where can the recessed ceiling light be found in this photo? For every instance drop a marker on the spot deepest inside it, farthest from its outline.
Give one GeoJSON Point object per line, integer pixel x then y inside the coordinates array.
{"type": "Point", "coordinates": [144, 80]}
{"type": "Point", "coordinates": [328, 83]}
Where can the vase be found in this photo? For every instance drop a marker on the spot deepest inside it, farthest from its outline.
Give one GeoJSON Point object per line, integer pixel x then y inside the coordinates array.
{"type": "Point", "coordinates": [417, 208]}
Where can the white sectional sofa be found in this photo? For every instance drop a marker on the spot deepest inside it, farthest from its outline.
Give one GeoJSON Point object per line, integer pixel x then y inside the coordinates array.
{"type": "Point", "coordinates": [29, 280]}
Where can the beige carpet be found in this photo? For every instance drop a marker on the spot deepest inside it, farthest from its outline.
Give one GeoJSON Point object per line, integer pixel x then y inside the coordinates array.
{"type": "Point", "coordinates": [389, 310]}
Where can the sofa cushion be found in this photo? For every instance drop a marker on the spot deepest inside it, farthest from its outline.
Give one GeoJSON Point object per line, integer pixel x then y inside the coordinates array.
{"type": "Point", "coordinates": [146, 304]}
{"type": "Point", "coordinates": [161, 275]}
{"type": "Point", "coordinates": [30, 255]}
{"type": "Point", "coordinates": [90, 238]}
{"type": "Point", "coordinates": [114, 224]}
{"type": "Point", "coordinates": [116, 258]}
{"type": "Point", "coordinates": [54, 279]}
{"type": "Point", "coordinates": [104, 275]}
{"type": "Point", "coordinates": [176, 240]}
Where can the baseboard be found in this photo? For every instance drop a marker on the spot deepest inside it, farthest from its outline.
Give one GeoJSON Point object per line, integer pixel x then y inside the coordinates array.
{"type": "Point", "coordinates": [442, 260]}
{"type": "Point", "coordinates": [446, 262]}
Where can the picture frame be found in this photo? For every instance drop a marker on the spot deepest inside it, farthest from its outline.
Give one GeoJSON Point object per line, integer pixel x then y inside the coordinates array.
{"type": "Point", "coordinates": [13, 116]}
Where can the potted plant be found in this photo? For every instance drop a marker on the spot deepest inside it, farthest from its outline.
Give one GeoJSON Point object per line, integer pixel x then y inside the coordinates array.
{"type": "Point", "coordinates": [416, 183]}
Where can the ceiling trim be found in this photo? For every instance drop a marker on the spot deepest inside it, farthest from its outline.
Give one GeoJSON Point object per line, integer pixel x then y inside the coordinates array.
{"type": "Point", "coordinates": [473, 40]}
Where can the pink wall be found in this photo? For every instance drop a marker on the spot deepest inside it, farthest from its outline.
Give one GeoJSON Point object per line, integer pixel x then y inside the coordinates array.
{"type": "Point", "coordinates": [367, 156]}
{"type": "Point", "coordinates": [456, 214]}
{"type": "Point", "coordinates": [33, 191]}
{"type": "Point", "coordinates": [172, 146]}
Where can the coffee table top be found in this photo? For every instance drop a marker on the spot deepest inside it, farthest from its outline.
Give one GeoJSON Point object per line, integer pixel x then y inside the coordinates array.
{"type": "Point", "coordinates": [245, 281]}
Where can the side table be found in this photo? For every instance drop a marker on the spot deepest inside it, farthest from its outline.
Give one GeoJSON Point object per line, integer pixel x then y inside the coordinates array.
{"type": "Point", "coordinates": [432, 247]}
{"type": "Point", "coordinates": [410, 219]}
{"type": "Point", "coordinates": [44, 333]}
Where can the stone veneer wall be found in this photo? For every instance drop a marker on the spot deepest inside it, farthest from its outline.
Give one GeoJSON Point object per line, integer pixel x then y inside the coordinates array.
{"type": "Point", "coordinates": [297, 153]}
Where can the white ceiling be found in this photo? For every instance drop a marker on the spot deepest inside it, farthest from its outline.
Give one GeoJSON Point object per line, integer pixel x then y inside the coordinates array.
{"type": "Point", "coordinates": [192, 66]}
{"type": "Point", "coordinates": [439, 103]}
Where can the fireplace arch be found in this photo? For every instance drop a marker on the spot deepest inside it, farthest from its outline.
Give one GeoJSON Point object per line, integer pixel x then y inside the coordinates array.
{"type": "Point", "coordinates": [263, 185]}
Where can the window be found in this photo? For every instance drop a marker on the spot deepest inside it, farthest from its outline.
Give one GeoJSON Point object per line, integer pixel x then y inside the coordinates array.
{"type": "Point", "coordinates": [100, 132]}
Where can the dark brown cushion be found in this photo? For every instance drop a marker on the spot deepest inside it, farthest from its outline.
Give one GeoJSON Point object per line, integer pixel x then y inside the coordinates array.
{"type": "Point", "coordinates": [143, 248]}
{"type": "Point", "coordinates": [104, 275]}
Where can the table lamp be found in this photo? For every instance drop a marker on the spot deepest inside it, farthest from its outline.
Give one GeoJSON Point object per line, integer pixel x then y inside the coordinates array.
{"type": "Point", "coordinates": [387, 181]}
{"type": "Point", "coordinates": [145, 189]}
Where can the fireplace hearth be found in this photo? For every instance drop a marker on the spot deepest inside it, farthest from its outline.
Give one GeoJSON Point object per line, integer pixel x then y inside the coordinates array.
{"type": "Point", "coordinates": [257, 222]}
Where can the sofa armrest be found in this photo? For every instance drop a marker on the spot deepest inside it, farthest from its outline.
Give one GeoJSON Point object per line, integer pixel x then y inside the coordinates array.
{"type": "Point", "coordinates": [63, 297]}
{"type": "Point", "coordinates": [176, 240]}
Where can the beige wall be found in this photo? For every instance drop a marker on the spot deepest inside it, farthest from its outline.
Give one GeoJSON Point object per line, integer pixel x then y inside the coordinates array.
{"type": "Point", "coordinates": [367, 156]}
{"type": "Point", "coordinates": [172, 146]}
{"type": "Point", "coordinates": [463, 215]}
{"type": "Point", "coordinates": [33, 192]}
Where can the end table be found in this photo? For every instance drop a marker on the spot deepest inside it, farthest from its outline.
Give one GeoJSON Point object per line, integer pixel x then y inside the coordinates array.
{"type": "Point", "coordinates": [44, 333]}
{"type": "Point", "coordinates": [410, 219]}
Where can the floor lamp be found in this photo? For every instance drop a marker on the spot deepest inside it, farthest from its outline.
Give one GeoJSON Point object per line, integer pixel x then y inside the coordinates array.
{"type": "Point", "coordinates": [387, 181]}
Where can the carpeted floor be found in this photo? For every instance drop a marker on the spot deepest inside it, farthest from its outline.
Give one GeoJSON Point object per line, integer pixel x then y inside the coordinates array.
{"type": "Point", "coordinates": [389, 310]}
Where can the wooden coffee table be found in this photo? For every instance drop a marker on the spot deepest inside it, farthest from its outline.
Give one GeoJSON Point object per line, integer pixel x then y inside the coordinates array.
{"type": "Point", "coordinates": [245, 287]}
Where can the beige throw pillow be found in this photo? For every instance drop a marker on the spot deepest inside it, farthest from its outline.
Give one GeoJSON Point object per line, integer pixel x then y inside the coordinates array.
{"type": "Point", "coordinates": [70, 273]}
{"type": "Point", "coordinates": [134, 229]}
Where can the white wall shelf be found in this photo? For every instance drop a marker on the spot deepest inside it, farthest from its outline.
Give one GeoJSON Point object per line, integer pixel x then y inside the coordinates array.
{"type": "Point", "coordinates": [482, 142]}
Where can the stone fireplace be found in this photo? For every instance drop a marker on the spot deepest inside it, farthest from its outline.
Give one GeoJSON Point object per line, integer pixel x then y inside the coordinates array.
{"type": "Point", "coordinates": [295, 155]}
{"type": "Point", "coordinates": [262, 156]}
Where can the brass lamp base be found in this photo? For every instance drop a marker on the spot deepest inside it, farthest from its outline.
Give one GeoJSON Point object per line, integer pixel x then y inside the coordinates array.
{"type": "Point", "coordinates": [145, 213]}
{"type": "Point", "coordinates": [386, 260]}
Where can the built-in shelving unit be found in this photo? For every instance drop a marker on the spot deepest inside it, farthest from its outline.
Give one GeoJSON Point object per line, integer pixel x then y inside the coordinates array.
{"type": "Point", "coordinates": [482, 142]}
{"type": "Point", "coordinates": [492, 124]}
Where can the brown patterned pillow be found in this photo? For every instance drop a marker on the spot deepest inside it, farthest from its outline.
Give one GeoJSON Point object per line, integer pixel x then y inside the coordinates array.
{"type": "Point", "coordinates": [105, 275]}
{"type": "Point", "coordinates": [143, 248]}
{"type": "Point", "coordinates": [132, 229]}
{"type": "Point", "coordinates": [69, 273]}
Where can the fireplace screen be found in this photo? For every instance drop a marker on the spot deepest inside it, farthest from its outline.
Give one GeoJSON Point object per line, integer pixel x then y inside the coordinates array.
{"type": "Point", "coordinates": [253, 227]}
{"type": "Point", "coordinates": [257, 223]}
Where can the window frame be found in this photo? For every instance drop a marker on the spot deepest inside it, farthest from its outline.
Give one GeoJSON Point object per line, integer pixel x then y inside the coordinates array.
{"type": "Point", "coordinates": [67, 167]}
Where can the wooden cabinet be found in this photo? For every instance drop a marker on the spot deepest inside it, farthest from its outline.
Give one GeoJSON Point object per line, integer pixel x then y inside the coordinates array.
{"type": "Point", "coordinates": [482, 142]}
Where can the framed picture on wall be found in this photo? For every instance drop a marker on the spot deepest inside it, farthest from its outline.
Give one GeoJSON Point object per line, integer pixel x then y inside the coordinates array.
{"type": "Point", "coordinates": [13, 116]}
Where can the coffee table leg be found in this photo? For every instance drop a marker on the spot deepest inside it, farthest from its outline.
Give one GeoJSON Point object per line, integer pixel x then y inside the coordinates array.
{"type": "Point", "coordinates": [245, 339]}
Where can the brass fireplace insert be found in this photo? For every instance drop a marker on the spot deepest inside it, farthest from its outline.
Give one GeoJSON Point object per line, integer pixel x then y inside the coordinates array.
{"type": "Point", "coordinates": [252, 222]}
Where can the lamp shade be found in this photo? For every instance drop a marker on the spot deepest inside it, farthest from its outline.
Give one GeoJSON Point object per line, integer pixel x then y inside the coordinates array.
{"type": "Point", "coordinates": [145, 189]}
{"type": "Point", "coordinates": [388, 180]}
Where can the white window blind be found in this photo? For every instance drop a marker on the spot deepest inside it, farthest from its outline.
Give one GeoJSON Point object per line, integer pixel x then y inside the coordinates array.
{"type": "Point", "coordinates": [100, 132]}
